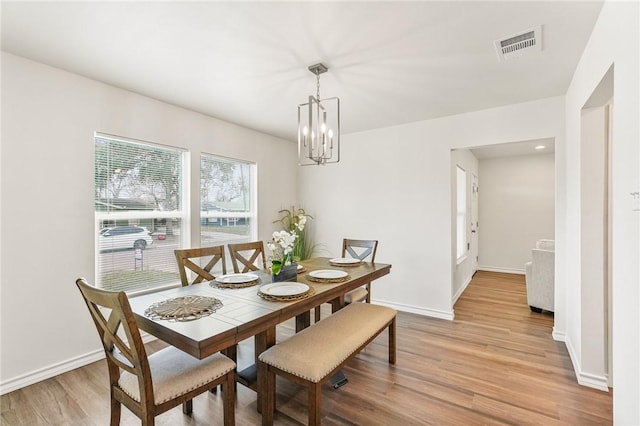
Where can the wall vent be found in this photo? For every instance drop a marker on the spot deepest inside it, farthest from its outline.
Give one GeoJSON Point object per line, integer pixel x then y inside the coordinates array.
{"type": "Point", "coordinates": [519, 44]}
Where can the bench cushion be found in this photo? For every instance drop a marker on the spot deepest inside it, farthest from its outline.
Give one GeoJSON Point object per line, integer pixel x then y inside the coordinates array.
{"type": "Point", "coordinates": [317, 350]}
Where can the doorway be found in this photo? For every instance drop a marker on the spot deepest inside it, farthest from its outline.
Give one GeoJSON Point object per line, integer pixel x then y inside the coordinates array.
{"type": "Point", "coordinates": [595, 225]}
{"type": "Point", "coordinates": [474, 222]}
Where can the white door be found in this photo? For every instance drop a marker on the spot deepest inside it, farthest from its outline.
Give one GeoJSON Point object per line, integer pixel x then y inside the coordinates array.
{"type": "Point", "coordinates": [474, 223]}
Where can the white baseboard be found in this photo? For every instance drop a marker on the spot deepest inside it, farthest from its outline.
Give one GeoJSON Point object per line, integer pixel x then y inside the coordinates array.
{"type": "Point", "coordinates": [45, 373]}
{"type": "Point", "coordinates": [498, 269]}
{"type": "Point", "coordinates": [461, 290]}
{"type": "Point", "coordinates": [51, 371]}
{"type": "Point", "coordinates": [558, 336]}
{"type": "Point", "coordinates": [447, 315]}
{"type": "Point", "coordinates": [586, 379]}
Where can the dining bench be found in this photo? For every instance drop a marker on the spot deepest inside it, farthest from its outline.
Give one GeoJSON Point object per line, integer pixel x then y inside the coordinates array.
{"type": "Point", "coordinates": [313, 355]}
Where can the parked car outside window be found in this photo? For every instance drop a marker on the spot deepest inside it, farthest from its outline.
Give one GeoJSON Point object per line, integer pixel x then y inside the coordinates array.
{"type": "Point", "coordinates": [124, 237]}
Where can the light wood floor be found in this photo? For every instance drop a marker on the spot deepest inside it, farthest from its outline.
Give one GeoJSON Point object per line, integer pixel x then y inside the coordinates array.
{"type": "Point", "coordinates": [495, 364]}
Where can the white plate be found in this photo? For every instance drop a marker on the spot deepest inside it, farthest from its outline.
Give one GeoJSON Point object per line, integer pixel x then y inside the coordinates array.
{"type": "Point", "coordinates": [328, 274]}
{"type": "Point", "coordinates": [284, 289]}
{"type": "Point", "coordinates": [236, 278]}
{"type": "Point", "coordinates": [345, 260]}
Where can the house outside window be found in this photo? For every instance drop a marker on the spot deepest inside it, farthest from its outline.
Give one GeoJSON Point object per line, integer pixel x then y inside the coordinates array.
{"type": "Point", "coordinates": [140, 213]}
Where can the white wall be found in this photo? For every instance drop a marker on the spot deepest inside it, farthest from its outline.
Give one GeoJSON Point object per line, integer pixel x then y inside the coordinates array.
{"type": "Point", "coordinates": [614, 41]}
{"type": "Point", "coordinates": [517, 208]}
{"type": "Point", "coordinates": [463, 271]}
{"type": "Point", "coordinates": [48, 121]}
{"type": "Point", "coordinates": [394, 184]}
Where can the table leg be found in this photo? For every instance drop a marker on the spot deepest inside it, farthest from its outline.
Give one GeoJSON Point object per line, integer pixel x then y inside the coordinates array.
{"type": "Point", "coordinates": [263, 341]}
{"type": "Point", "coordinates": [303, 321]}
{"type": "Point", "coordinates": [337, 304]}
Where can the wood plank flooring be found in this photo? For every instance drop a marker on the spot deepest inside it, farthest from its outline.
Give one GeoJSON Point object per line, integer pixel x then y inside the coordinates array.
{"type": "Point", "coordinates": [495, 364]}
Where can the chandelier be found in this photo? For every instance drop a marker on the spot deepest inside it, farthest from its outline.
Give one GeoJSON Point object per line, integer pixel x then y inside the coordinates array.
{"type": "Point", "coordinates": [319, 126]}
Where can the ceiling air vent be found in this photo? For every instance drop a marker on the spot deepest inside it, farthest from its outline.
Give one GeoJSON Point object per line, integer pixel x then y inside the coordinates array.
{"type": "Point", "coordinates": [518, 44]}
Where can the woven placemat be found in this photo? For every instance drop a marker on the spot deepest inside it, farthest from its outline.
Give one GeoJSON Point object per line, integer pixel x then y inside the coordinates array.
{"type": "Point", "coordinates": [346, 265]}
{"type": "Point", "coordinates": [327, 280]}
{"type": "Point", "coordinates": [301, 296]}
{"type": "Point", "coordinates": [186, 308]}
{"type": "Point", "coordinates": [216, 284]}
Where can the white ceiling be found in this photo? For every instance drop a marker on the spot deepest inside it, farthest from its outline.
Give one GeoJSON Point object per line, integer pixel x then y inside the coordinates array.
{"type": "Point", "coordinates": [246, 62]}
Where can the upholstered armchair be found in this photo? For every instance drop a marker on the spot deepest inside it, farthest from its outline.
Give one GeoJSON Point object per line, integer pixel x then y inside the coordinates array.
{"type": "Point", "coordinates": [539, 276]}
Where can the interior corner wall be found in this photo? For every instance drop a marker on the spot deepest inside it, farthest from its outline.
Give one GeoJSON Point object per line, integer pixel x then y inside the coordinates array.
{"type": "Point", "coordinates": [516, 208]}
{"type": "Point", "coordinates": [394, 184]}
{"type": "Point", "coordinates": [49, 117]}
{"type": "Point", "coordinates": [615, 41]}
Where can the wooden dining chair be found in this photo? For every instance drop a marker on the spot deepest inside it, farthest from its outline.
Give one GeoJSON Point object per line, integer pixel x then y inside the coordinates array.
{"type": "Point", "coordinates": [211, 255]}
{"type": "Point", "coordinates": [247, 254]}
{"type": "Point", "coordinates": [362, 250]}
{"type": "Point", "coordinates": [151, 385]}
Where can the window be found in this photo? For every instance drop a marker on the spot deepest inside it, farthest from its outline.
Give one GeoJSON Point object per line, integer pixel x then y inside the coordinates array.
{"type": "Point", "coordinates": [140, 213]}
{"type": "Point", "coordinates": [227, 201]}
{"type": "Point", "coordinates": [461, 208]}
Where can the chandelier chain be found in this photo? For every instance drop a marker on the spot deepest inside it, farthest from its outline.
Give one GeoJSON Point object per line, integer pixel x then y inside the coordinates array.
{"type": "Point", "coordinates": [318, 85]}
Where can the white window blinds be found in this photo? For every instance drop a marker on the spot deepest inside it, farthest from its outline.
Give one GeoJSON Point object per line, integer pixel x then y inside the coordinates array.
{"type": "Point", "coordinates": [139, 211]}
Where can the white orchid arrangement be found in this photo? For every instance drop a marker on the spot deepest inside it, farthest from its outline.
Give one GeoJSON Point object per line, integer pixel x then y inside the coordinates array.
{"type": "Point", "coordinates": [281, 245]}
{"type": "Point", "coordinates": [294, 221]}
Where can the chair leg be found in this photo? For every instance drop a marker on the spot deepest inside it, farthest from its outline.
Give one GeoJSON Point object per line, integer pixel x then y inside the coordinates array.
{"type": "Point", "coordinates": [392, 341]}
{"type": "Point", "coordinates": [229, 398]}
{"type": "Point", "coordinates": [368, 292]}
{"type": "Point", "coordinates": [232, 353]}
{"type": "Point", "coordinates": [314, 395]}
{"type": "Point", "coordinates": [187, 407]}
{"type": "Point", "coordinates": [317, 314]}
{"type": "Point", "coordinates": [148, 420]}
{"type": "Point", "coordinates": [116, 409]}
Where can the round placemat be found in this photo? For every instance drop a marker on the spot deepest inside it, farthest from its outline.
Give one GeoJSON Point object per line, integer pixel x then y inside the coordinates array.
{"type": "Point", "coordinates": [186, 308]}
{"type": "Point", "coordinates": [271, 298]}
{"type": "Point", "coordinates": [216, 284]}
{"type": "Point", "coordinates": [327, 280]}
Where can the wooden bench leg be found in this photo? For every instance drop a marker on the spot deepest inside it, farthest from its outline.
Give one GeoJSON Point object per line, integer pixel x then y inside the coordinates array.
{"type": "Point", "coordinates": [315, 409]}
{"type": "Point", "coordinates": [392, 341]}
{"type": "Point", "coordinates": [267, 389]}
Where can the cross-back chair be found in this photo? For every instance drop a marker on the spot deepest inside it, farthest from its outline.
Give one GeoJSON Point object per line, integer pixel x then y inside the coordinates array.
{"type": "Point", "coordinates": [186, 257]}
{"type": "Point", "coordinates": [151, 385]}
{"type": "Point", "coordinates": [245, 255]}
{"type": "Point", "coordinates": [362, 250]}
